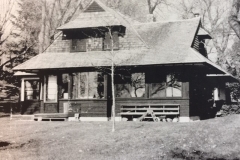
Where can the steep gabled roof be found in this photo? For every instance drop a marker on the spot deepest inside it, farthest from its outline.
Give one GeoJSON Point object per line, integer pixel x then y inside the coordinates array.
{"type": "Point", "coordinates": [169, 35]}
{"type": "Point", "coordinates": [168, 42]}
{"type": "Point", "coordinates": [95, 15]}
{"type": "Point", "coordinates": [106, 17]}
{"type": "Point", "coordinates": [165, 43]}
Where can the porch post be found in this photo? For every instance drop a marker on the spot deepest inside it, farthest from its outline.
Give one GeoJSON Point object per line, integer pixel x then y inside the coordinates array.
{"type": "Point", "coordinates": [22, 90]}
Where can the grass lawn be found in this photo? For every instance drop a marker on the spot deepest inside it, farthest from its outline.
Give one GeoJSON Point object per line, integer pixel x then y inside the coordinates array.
{"type": "Point", "coordinates": [212, 139]}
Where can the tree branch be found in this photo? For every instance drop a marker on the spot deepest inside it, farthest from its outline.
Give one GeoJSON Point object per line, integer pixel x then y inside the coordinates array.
{"type": "Point", "coordinates": [233, 17]}
{"type": "Point", "coordinates": [19, 55]}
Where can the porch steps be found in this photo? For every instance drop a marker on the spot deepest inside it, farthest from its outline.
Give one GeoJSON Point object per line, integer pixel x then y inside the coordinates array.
{"type": "Point", "coordinates": [51, 117]}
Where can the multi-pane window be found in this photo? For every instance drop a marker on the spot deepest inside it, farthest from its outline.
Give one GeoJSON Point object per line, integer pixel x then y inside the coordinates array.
{"type": "Point", "coordinates": [173, 87]}
{"type": "Point", "coordinates": [79, 45]}
{"type": "Point", "coordinates": [131, 86]}
{"type": "Point", "coordinates": [87, 44]}
{"type": "Point", "coordinates": [158, 86]}
{"type": "Point", "coordinates": [31, 89]}
{"type": "Point", "coordinates": [165, 86]}
{"type": "Point", "coordinates": [96, 43]}
{"type": "Point", "coordinates": [88, 85]}
{"type": "Point", "coordinates": [51, 88]}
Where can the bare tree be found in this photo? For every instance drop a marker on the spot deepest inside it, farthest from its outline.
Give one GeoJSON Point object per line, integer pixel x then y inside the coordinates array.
{"type": "Point", "coordinates": [214, 21]}
{"type": "Point", "coordinates": [233, 17]}
{"type": "Point", "coordinates": [152, 5]}
{"type": "Point", "coordinates": [54, 14]}
{"type": "Point", "coordinates": [5, 20]}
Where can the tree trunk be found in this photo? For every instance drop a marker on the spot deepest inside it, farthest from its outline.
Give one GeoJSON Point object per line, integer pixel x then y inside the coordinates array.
{"type": "Point", "coordinates": [112, 82]}
{"type": "Point", "coordinates": [113, 97]}
{"type": "Point", "coordinates": [43, 27]}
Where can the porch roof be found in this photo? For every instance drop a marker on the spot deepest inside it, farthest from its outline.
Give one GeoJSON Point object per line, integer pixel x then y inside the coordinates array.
{"type": "Point", "coordinates": [19, 73]}
{"type": "Point", "coordinates": [227, 77]}
{"type": "Point", "coordinates": [121, 58]}
{"type": "Point", "coordinates": [167, 43]}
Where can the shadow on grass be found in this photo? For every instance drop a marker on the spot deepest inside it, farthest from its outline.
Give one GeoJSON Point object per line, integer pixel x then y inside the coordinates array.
{"type": "Point", "coordinates": [7, 145]}
{"type": "Point", "coordinates": [4, 144]}
{"type": "Point", "coordinates": [178, 153]}
{"type": "Point", "coordinates": [4, 116]}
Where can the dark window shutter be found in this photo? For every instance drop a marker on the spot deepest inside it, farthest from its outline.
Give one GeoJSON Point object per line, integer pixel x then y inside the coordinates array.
{"type": "Point", "coordinates": [107, 41]}
{"type": "Point", "coordinates": [79, 45]}
{"type": "Point", "coordinates": [115, 40]}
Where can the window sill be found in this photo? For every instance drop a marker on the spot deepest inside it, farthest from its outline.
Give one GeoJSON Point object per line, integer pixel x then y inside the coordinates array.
{"type": "Point", "coordinates": [50, 102]}
{"type": "Point", "coordinates": [82, 99]}
{"type": "Point", "coordinates": [162, 98]}
{"type": "Point", "coordinates": [32, 100]}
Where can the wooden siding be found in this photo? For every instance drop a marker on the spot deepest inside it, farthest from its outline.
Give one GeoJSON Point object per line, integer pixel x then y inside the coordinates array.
{"type": "Point", "coordinates": [89, 108]}
{"type": "Point", "coordinates": [50, 108]}
{"type": "Point", "coordinates": [126, 41]}
{"type": "Point", "coordinates": [60, 45]}
{"type": "Point", "coordinates": [41, 106]}
{"type": "Point", "coordinates": [101, 108]}
{"type": "Point", "coordinates": [30, 107]}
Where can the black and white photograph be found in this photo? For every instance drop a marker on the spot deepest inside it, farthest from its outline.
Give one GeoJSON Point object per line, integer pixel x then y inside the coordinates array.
{"type": "Point", "coordinates": [119, 79]}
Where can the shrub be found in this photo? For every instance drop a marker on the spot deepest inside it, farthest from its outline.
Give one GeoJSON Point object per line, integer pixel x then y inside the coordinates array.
{"type": "Point", "coordinates": [230, 109]}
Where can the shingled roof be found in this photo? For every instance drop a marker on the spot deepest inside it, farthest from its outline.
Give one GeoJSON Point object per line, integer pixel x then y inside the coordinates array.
{"type": "Point", "coordinates": [95, 15]}
{"type": "Point", "coordinates": [166, 42]}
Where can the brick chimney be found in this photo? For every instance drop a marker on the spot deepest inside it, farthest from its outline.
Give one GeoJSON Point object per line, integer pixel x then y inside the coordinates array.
{"type": "Point", "coordinates": [196, 14]}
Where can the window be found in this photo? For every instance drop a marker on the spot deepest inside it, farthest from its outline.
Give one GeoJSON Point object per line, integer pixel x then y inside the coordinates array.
{"type": "Point", "coordinates": [165, 86]}
{"type": "Point", "coordinates": [88, 85]}
{"type": "Point", "coordinates": [51, 88]}
{"type": "Point", "coordinates": [79, 45]}
{"type": "Point", "coordinates": [87, 44]}
{"type": "Point", "coordinates": [131, 86]}
{"type": "Point", "coordinates": [31, 89]}
{"type": "Point", "coordinates": [173, 88]}
{"type": "Point", "coordinates": [108, 43]}
{"type": "Point", "coordinates": [63, 83]}
{"type": "Point", "coordinates": [158, 86]}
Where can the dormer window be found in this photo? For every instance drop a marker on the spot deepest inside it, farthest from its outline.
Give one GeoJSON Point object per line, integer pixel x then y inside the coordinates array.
{"type": "Point", "coordinates": [108, 41]}
{"type": "Point", "coordinates": [95, 42]}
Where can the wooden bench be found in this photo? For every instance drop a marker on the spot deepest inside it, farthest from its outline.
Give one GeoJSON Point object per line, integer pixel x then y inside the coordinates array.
{"type": "Point", "coordinates": [141, 110]}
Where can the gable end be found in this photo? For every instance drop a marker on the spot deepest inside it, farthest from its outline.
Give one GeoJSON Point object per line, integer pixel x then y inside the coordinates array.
{"type": "Point", "coordinates": [94, 7]}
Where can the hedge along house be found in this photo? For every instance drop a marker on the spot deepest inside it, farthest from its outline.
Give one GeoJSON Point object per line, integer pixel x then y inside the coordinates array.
{"type": "Point", "coordinates": [159, 65]}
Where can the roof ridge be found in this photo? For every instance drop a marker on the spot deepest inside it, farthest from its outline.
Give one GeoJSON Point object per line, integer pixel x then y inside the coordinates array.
{"type": "Point", "coordinates": [91, 2]}
{"type": "Point", "coordinates": [172, 21]}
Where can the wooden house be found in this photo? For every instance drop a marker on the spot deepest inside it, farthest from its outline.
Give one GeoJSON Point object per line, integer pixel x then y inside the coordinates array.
{"type": "Point", "coordinates": [160, 65]}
